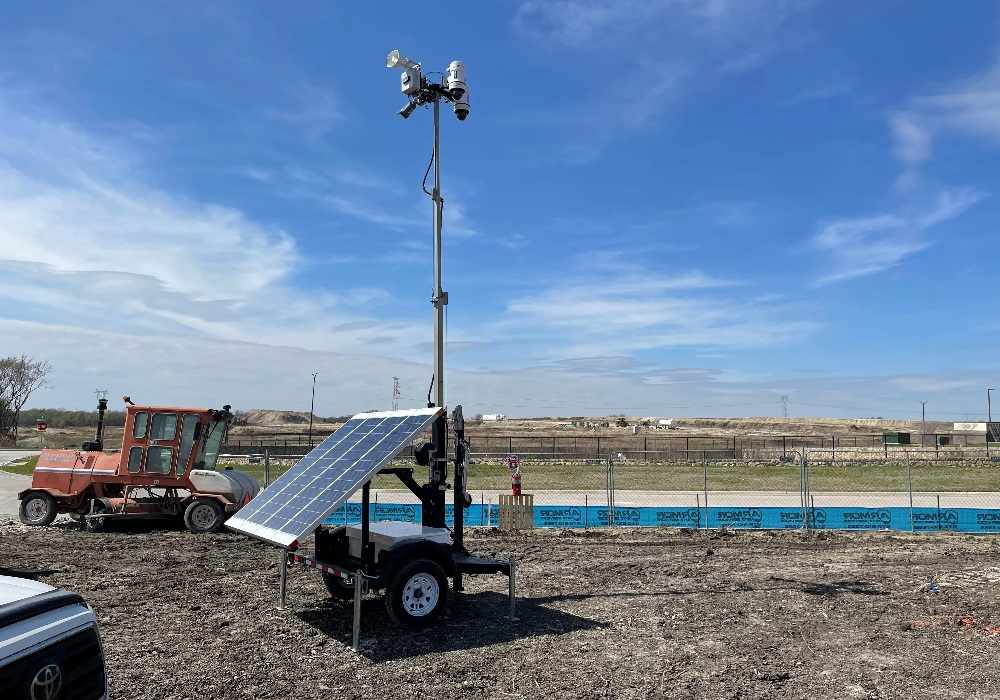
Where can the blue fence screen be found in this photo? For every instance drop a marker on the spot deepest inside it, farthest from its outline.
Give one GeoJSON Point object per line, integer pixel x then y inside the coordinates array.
{"type": "Point", "coordinates": [769, 518]}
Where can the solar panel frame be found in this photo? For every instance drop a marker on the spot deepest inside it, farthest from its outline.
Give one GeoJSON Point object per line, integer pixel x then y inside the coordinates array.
{"type": "Point", "coordinates": [299, 500]}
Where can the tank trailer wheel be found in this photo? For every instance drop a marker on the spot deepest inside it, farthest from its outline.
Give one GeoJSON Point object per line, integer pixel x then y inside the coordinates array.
{"type": "Point", "coordinates": [418, 594]}
{"type": "Point", "coordinates": [337, 588]}
{"type": "Point", "coordinates": [203, 516]}
{"type": "Point", "coordinates": [38, 508]}
{"type": "Point", "coordinates": [101, 505]}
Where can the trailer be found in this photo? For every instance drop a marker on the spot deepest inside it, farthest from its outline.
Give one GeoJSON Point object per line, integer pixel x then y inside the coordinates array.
{"type": "Point", "coordinates": [413, 563]}
{"type": "Point", "coordinates": [166, 469]}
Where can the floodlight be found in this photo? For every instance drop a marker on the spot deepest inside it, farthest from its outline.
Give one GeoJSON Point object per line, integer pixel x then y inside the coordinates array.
{"type": "Point", "coordinates": [406, 111]}
{"type": "Point", "coordinates": [394, 60]}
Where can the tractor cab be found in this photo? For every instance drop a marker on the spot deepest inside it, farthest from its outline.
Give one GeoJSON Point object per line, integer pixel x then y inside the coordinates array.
{"type": "Point", "coordinates": [162, 442]}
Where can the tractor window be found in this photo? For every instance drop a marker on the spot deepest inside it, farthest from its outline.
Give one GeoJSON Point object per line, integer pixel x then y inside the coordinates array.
{"type": "Point", "coordinates": [211, 444]}
{"type": "Point", "coordinates": [189, 433]}
{"type": "Point", "coordinates": [158, 460]}
{"type": "Point", "coordinates": [164, 426]}
{"type": "Point", "coordinates": [135, 460]}
{"type": "Point", "coordinates": [139, 426]}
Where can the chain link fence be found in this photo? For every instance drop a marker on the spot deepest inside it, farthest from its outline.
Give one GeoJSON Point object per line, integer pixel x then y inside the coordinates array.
{"type": "Point", "coordinates": [944, 487]}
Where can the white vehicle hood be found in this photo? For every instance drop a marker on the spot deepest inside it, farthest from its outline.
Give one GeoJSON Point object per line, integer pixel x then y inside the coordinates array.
{"type": "Point", "coordinates": [13, 589]}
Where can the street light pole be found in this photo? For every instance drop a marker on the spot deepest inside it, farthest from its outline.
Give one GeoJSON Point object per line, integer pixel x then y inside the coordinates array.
{"type": "Point", "coordinates": [312, 408]}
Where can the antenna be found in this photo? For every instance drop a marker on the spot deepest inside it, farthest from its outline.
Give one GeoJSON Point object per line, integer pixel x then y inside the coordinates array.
{"type": "Point", "coordinates": [784, 405]}
{"type": "Point", "coordinates": [395, 393]}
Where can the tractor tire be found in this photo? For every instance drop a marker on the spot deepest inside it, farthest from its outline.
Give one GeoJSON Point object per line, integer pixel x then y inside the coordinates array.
{"type": "Point", "coordinates": [101, 505]}
{"type": "Point", "coordinates": [38, 508]}
{"type": "Point", "coordinates": [418, 594]}
{"type": "Point", "coordinates": [204, 516]}
{"type": "Point", "coordinates": [337, 588]}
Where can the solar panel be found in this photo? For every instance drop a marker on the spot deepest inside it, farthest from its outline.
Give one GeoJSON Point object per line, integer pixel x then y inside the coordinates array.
{"type": "Point", "coordinates": [301, 498]}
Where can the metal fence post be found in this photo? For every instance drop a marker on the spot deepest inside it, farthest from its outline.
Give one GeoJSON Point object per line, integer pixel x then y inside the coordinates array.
{"type": "Point", "coordinates": [704, 472]}
{"type": "Point", "coordinates": [267, 467]}
{"type": "Point", "coordinates": [909, 487]}
{"type": "Point", "coordinates": [804, 489]}
{"type": "Point", "coordinates": [611, 490]}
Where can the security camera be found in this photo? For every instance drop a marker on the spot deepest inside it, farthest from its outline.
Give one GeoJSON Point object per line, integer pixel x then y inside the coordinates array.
{"type": "Point", "coordinates": [406, 111]}
{"type": "Point", "coordinates": [456, 79]}
{"type": "Point", "coordinates": [462, 106]}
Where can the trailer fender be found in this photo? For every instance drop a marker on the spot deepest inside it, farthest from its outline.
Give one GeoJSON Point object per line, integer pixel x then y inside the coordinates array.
{"type": "Point", "coordinates": [408, 550]}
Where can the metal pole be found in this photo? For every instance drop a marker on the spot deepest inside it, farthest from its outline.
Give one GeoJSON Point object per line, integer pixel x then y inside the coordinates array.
{"type": "Point", "coordinates": [267, 467]}
{"type": "Point", "coordinates": [511, 586]}
{"type": "Point", "coordinates": [909, 485]}
{"type": "Point", "coordinates": [803, 491]}
{"type": "Point", "coordinates": [312, 407]}
{"type": "Point", "coordinates": [358, 591]}
{"type": "Point", "coordinates": [283, 580]}
{"type": "Point", "coordinates": [439, 298]}
{"type": "Point", "coordinates": [704, 470]}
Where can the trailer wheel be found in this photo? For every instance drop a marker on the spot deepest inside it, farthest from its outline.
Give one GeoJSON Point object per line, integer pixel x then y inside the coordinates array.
{"type": "Point", "coordinates": [418, 594]}
{"type": "Point", "coordinates": [101, 505]}
{"type": "Point", "coordinates": [38, 508]}
{"type": "Point", "coordinates": [337, 588]}
{"type": "Point", "coordinates": [203, 516]}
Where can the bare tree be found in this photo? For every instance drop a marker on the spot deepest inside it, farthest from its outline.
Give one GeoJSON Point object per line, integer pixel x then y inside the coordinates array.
{"type": "Point", "coordinates": [19, 377]}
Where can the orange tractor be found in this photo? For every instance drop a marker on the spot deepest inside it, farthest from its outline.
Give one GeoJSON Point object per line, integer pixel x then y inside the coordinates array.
{"type": "Point", "coordinates": [166, 469]}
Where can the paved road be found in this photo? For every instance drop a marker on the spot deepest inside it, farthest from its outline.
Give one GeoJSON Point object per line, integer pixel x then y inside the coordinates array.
{"type": "Point", "coordinates": [10, 484]}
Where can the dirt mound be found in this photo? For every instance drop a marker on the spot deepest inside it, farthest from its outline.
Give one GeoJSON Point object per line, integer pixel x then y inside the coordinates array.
{"type": "Point", "coordinates": [260, 416]}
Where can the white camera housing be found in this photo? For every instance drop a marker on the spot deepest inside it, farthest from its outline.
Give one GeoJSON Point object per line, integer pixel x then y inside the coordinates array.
{"type": "Point", "coordinates": [461, 106]}
{"type": "Point", "coordinates": [410, 81]}
{"type": "Point", "coordinates": [456, 79]}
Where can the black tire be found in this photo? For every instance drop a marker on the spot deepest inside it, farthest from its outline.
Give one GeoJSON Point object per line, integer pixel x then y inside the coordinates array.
{"type": "Point", "coordinates": [203, 516]}
{"type": "Point", "coordinates": [418, 594]}
{"type": "Point", "coordinates": [101, 505]}
{"type": "Point", "coordinates": [337, 588]}
{"type": "Point", "coordinates": [38, 508]}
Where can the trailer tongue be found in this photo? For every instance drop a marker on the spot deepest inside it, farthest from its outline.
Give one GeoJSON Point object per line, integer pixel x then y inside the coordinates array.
{"type": "Point", "coordinates": [412, 562]}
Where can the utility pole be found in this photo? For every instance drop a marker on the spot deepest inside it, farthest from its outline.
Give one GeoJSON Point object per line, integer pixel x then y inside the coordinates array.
{"type": "Point", "coordinates": [923, 407]}
{"type": "Point", "coordinates": [312, 408]}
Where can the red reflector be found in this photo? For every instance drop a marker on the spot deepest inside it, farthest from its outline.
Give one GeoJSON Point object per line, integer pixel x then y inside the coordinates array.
{"type": "Point", "coordinates": [293, 546]}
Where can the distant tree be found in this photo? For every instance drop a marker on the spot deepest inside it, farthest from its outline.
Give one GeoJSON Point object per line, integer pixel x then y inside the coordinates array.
{"type": "Point", "coordinates": [19, 377]}
{"type": "Point", "coordinates": [240, 418]}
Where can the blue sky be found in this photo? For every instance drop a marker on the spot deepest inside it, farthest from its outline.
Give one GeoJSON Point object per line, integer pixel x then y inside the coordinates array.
{"type": "Point", "coordinates": [656, 208]}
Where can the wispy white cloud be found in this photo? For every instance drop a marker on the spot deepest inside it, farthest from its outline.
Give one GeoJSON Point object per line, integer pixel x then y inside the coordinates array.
{"type": "Point", "coordinates": [969, 107]}
{"type": "Point", "coordinates": [632, 311]}
{"type": "Point", "coordinates": [584, 23]}
{"type": "Point", "coordinates": [311, 109]}
{"type": "Point", "coordinates": [866, 245]}
{"type": "Point", "coordinates": [84, 240]}
{"type": "Point", "coordinates": [691, 38]}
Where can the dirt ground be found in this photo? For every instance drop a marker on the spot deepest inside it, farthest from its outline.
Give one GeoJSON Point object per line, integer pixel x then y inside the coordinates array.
{"type": "Point", "coordinates": [603, 614]}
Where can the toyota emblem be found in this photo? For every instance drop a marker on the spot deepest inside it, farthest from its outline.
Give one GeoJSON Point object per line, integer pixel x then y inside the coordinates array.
{"type": "Point", "coordinates": [47, 683]}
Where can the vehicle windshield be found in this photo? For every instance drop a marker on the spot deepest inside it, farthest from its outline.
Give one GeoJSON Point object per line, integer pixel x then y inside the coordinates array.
{"type": "Point", "coordinates": [211, 444]}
